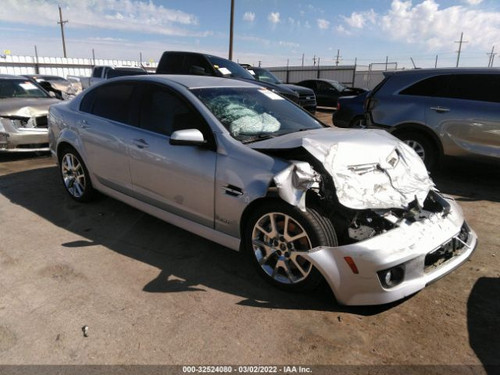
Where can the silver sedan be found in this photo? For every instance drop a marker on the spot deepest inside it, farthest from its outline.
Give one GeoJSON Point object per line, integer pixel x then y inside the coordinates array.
{"type": "Point", "coordinates": [23, 115]}
{"type": "Point", "coordinates": [250, 170]}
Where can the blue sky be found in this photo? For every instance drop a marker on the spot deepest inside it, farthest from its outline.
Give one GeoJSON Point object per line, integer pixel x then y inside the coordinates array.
{"type": "Point", "coordinates": [274, 32]}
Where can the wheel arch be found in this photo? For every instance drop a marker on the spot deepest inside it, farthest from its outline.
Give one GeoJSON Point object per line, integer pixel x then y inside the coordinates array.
{"type": "Point", "coordinates": [420, 129]}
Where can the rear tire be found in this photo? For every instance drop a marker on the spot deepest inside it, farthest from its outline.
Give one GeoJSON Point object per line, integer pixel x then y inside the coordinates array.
{"type": "Point", "coordinates": [276, 234]}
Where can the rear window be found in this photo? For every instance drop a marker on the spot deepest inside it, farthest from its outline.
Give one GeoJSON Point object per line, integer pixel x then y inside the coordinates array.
{"type": "Point", "coordinates": [479, 87]}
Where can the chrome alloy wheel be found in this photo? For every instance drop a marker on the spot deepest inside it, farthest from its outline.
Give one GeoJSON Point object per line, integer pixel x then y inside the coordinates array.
{"type": "Point", "coordinates": [278, 241]}
{"type": "Point", "coordinates": [417, 147]}
{"type": "Point", "coordinates": [73, 175]}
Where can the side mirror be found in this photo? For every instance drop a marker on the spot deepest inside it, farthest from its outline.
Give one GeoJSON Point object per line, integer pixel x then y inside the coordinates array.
{"type": "Point", "coordinates": [197, 70]}
{"type": "Point", "coordinates": [187, 137]}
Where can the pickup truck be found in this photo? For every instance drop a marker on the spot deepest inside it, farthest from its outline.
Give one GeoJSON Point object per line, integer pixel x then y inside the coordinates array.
{"type": "Point", "coordinates": [100, 73]}
{"type": "Point", "coordinates": [194, 63]}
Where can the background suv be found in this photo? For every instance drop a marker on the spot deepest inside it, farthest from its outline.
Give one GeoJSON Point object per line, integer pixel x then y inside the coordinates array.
{"type": "Point", "coordinates": [450, 112]}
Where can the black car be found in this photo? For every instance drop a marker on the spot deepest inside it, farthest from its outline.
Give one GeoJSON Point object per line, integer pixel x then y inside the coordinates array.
{"type": "Point", "coordinates": [194, 63]}
{"type": "Point", "coordinates": [328, 91]}
{"type": "Point", "coordinates": [307, 98]}
{"type": "Point", "coordinates": [350, 112]}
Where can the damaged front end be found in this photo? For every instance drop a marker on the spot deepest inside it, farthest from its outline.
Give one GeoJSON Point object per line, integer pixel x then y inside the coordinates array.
{"type": "Point", "coordinates": [20, 133]}
{"type": "Point", "coordinates": [396, 232]}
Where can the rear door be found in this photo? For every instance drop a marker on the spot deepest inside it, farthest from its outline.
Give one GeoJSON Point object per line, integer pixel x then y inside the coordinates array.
{"type": "Point", "coordinates": [467, 115]}
{"type": "Point", "coordinates": [176, 178]}
{"type": "Point", "coordinates": [104, 133]}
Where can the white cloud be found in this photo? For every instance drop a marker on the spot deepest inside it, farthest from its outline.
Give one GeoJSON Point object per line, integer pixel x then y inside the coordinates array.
{"type": "Point", "coordinates": [359, 20]}
{"type": "Point", "coordinates": [129, 15]}
{"type": "Point", "coordinates": [249, 17]}
{"type": "Point", "coordinates": [425, 23]}
{"type": "Point", "coordinates": [436, 28]}
{"type": "Point", "coordinates": [274, 17]}
{"type": "Point", "coordinates": [473, 2]}
{"type": "Point", "coordinates": [323, 24]}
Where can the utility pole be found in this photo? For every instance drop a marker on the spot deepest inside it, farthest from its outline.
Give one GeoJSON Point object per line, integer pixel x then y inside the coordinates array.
{"type": "Point", "coordinates": [460, 46]}
{"type": "Point", "coordinates": [337, 59]}
{"type": "Point", "coordinates": [302, 60]}
{"type": "Point", "coordinates": [61, 22]}
{"type": "Point", "coordinates": [492, 57]}
{"type": "Point", "coordinates": [314, 60]}
{"type": "Point", "coordinates": [231, 31]}
{"type": "Point", "coordinates": [436, 63]}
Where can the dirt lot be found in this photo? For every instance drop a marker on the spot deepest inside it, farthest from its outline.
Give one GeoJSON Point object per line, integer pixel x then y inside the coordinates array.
{"type": "Point", "coordinates": [154, 294]}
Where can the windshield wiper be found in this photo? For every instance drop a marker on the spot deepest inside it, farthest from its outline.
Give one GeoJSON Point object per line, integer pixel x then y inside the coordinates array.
{"type": "Point", "coordinates": [259, 137]}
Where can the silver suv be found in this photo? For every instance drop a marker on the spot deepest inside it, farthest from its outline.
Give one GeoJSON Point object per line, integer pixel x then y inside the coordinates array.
{"type": "Point", "coordinates": [440, 112]}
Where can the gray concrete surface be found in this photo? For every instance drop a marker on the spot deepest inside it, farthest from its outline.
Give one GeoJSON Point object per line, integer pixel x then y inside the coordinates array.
{"type": "Point", "coordinates": [151, 293]}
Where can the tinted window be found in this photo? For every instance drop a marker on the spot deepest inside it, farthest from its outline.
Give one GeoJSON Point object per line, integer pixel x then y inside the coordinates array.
{"type": "Point", "coordinates": [111, 101]}
{"type": "Point", "coordinates": [98, 71]}
{"type": "Point", "coordinates": [125, 72]}
{"type": "Point", "coordinates": [436, 86]}
{"type": "Point", "coordinates": [323, 86]}
{"type": "Point", "coordinates": [171, 63]}
{"type": "Point", "coordinates": [227, 68]}
{"type": "Point", "coordinates": [482, 87]}
{"type": "Point", "coordinates": [164, 112]}
{"type": "Point", "coordinates": [197, 64]}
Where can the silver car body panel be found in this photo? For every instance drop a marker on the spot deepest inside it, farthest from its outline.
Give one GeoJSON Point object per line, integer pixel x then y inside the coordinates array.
{"type": "Point", "coordinates": [212, 200]}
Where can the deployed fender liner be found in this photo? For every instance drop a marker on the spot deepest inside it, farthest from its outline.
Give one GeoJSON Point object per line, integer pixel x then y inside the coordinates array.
{"type": "Point", "coordinates": [406, 247]}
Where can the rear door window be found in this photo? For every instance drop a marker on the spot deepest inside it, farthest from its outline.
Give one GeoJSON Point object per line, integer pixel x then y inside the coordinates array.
{"type": "Point", "coordinates": [437, 86]}
{"type": "Point", "coordinates": [112, 101]}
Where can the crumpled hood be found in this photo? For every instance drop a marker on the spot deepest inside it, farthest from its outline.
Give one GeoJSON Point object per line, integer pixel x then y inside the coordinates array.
{"type": "Point", "coordinates": [371, 169]}
{"type": "Point", "coordinates": [26, 107]}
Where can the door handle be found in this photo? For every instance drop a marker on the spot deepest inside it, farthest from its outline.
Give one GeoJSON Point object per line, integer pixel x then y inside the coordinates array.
{"type": "Point", "coordinates": [440, 109]}
{"type": "Point", "coordinates": [140, 143]}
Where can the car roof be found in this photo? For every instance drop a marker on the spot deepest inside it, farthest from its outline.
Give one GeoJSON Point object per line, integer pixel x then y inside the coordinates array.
{"type": "Point", "coordinates": [11, 76]}
{"type": "Point", "coordinates": [431, 71]}
{"type": "Point", "coordinates": [190, 81]}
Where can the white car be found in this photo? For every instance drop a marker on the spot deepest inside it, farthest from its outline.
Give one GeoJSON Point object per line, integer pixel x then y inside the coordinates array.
{"type": "Point", "coordinates": [242, 166]}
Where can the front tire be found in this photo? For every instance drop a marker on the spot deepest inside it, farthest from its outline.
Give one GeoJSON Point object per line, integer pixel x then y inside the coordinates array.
{"type": "Point", "coordinates": [276, 237]}
{"type": "Point", "coordinates": [75, 176]}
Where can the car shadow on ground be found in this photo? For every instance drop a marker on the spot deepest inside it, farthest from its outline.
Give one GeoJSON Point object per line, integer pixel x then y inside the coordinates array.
{"type": "Point", "coordinates": [186, 263]}
{"type": "Point", "coordinates": [469, 180]}
{"type": "Point", "coordinates": [483, 322]}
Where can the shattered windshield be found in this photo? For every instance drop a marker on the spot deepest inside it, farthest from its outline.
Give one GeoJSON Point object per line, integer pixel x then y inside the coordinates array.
{"type": "Point", "coordinates": [19, 88]}
{"type": "Point", "coordinates": [255, 114]}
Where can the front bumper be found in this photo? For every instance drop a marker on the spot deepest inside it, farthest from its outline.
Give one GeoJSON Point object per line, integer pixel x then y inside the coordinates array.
{"type": "Point", "coordinates": [24, 140]}
{"type": "Point", "coordinates": [406, 246]}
